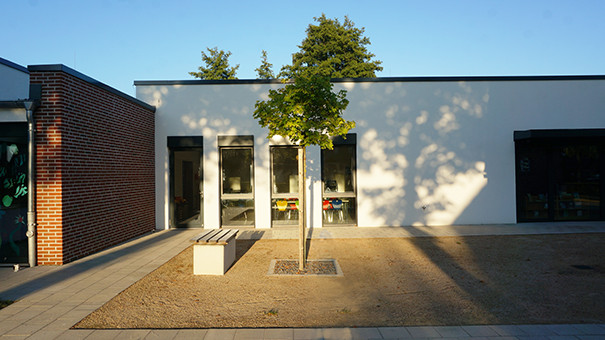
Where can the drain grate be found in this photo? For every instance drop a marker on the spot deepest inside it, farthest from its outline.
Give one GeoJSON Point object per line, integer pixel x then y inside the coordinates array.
{"type": "Point", "coordinates": [324, 267]}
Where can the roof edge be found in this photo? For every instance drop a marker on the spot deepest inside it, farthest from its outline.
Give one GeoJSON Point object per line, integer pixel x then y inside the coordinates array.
{"type": "Point", "coordinates": [376, 80]}
{"type": "Point", "coordinates": [90, 80]}
{"type": "Point", "coordinates": [13, 65]}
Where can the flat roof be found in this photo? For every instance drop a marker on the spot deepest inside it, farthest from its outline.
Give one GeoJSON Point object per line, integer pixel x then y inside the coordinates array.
{"type": "Point", "coordinates": [72, 72]}
{"type": "Point", "coordinates": [13, 65]}
{"type": "Point", "coordinates": [375, 80]}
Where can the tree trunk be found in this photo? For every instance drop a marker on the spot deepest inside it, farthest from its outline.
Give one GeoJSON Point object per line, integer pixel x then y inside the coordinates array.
{"type": "Point", "coordinates": [302, 244]}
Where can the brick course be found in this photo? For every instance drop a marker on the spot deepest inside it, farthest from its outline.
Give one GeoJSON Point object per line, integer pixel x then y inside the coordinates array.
{"type": "Point", "coordinates": [95, 167]}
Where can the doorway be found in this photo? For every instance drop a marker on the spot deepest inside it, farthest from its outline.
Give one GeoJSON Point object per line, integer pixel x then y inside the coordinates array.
{"type": "Point", "coordinates": [186, 184]}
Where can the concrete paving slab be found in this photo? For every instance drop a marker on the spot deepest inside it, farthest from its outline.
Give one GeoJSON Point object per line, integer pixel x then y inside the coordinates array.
{"type": "Point", "coordinates": [220, 334]}
{"type": "Point", "coordinates": [307, 333]}
{"type": "Point", "coordinates": [46, 335]}
{"type": "Point", "coordinates": [279, 333]}
{"type": "Point", "coordinates": [249, 334]}
{"type": "Point", "coordinates": [477, 331]}
{"type": "Point", "coordinates": [394, 332]}
{"type": "Point", "coordinates": [508, 330]}
{"type": "Point", "coordinates": [451, 331]}
{"type": "Point", "coordinates": [591, 329]}
{"type": "Point", "coordinates": [162, 334]}
{"type": "Point", "coordinates": [423, 332]}
{"type": "Point", "coordinates": [364, 333]}
{"type": "Point", "coordinates": [189, 334]}
{"type": "Point", "coordinates": [336, 333]}
{"type": "Point", "coordinates": [105, 334]}
{"type": "Point", "coordinates": [540, 330]}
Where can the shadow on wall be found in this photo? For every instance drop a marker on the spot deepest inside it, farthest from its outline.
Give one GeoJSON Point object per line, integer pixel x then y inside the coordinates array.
{"type": "Point", "coordinates": [423, 155]}
{"type": "Point", "coordinates": [425, 149]}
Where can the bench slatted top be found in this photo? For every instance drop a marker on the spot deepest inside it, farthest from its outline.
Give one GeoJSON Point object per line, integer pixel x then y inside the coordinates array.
{"type": "Point", "coordinates": [215, 236]}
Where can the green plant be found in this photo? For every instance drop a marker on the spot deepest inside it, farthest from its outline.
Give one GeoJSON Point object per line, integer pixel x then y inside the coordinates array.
{"type": "Point", "coordinates": [272, 312]}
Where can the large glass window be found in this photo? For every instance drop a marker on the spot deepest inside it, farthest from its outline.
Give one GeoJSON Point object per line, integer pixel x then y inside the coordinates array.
{"type": "Point", "coordinates": [338, 178]}
{"type": "Point", "coordinates": [284, 180]}
{"type": "Point", "coordinates": [186, 181]}
{"type": "Point", "coordinates": [237, 185]}
{"type": "Point", "coordinates": [13, 192]}
{"type": "Point", "coordinates": [577, 182]}
{"type": "Point", "coordinates": [559, 176]}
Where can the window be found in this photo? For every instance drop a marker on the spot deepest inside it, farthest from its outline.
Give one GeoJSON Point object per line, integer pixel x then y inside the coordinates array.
{"type": "Point", "coordinates": [237, 183]}
{"type": "Point", "coordinates": [558, 174]}
{"type": "Point", "coordinates": [284, 181]}
{"type": "Point", "coordinates": [13, 192]}
{"type": "Point", "coordinates": [338, 179]}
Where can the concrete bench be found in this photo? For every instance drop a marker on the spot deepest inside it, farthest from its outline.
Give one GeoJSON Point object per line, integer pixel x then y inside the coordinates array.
{"type": "Point", "coordinates": [213, 251]}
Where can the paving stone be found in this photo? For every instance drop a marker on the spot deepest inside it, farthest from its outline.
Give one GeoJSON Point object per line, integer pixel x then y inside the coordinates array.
{"type": "Point", "coordinates": [476, 331]}
{"type": "Point", "coordinates": [451, 331]}
{"type": "Point", "coordinates": [307, 333]}
{"type": "Point", "coordinates": [364, 333]}
{"type": "Point", "coordinates": [104, 334]}
{"type": "Point", "coordinates": [336, 333]}
{"type": "Point", "coordinates": [394, 332]}
{"type": "Point", "coordinates": [166, 334]}
{"type": "Point", "coordinates": [541, 330]}
{"type": "Point", "coordinates": [241, 334]}
{"type": "Point", "coordinates": [220, 334]}
{"type": "Point", "coordinates": [46, 335]}
{"type": "Point", "coordinates": [423, 332]}
{"type": "Point", "coordinates": [190, 334]}
{"type": "Point", "coordinates": [508, 330]}
{"type": "Point", "coordinates": [591, 329]}
{"type": "Point", "coordinates": [279, 333]}
{"type": "Point", "coordinates": [75, 334]}
{"type": "Point", "coordinates": [563, 329]}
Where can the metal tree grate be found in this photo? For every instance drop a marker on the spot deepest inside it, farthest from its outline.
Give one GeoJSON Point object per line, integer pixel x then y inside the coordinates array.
{"type": "Point", "coordinates": [324, 267]}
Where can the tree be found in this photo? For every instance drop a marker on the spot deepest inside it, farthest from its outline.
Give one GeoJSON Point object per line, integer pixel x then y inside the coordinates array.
{"type": "Point", "coordinates": [339, 49]}
{"type": "Point", "coordinates": [217, 66]}
{"type": "Point", "coordinates": [308, 113]}
{"type": "Point", "coordinates": [305, 110]}
{"type": "Point", "coordinates": [264, 71]}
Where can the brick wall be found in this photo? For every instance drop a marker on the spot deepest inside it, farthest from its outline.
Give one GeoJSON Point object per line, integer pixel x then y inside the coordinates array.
{"type": "Point", "coordinates": [95, 166]}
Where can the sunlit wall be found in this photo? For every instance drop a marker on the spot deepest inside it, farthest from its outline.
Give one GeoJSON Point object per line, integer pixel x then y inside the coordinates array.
{"type": "Point", "coordinates": [428, 152]}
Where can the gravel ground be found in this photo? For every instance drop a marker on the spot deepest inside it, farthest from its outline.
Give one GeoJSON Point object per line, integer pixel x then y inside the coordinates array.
{"type": "Point", "coordinates": [386, 282]}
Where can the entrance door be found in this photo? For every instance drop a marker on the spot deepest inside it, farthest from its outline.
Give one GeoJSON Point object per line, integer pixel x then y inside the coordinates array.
{"type": "Point", "coordinates": [186, 189]}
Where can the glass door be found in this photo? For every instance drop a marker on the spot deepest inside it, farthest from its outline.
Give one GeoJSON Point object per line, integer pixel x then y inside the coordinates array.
{"type": "Point", "coordinates": [237, 186]}
{"type": "Point", "coordinates": [338, 173]}
{"type": "Point", "coordinates": [186, 189]}
{"type": "Point", "coordinates": [284, 181]}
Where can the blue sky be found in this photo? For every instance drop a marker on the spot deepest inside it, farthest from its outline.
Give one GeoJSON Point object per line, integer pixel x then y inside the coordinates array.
{"type": "Point", "coordinates": [117, 42]}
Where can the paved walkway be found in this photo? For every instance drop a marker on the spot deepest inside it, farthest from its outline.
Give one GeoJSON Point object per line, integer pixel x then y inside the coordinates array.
{"type": "Point", "coordinates": [52, 299]}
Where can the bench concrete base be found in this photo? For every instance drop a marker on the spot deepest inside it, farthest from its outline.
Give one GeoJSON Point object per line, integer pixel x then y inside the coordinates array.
{"type": "Point", "coordinates": [213, 254]}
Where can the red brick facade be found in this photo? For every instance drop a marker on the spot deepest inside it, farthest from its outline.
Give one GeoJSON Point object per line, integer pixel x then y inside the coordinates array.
{"type": "Point", "coordinates": [94, 163]}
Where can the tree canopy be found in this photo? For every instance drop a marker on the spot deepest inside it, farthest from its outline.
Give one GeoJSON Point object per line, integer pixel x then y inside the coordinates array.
{"type": "Point", "coordinates": [337, 49]}
{"type": "Point", "coordinates": [306, 111]}
{"type": "Point", "coordinates": [265, 71]}
{"type": "Point", "coordinates": [217, 66]}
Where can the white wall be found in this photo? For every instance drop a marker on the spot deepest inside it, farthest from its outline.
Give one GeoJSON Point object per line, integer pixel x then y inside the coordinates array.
{"type": "Point", "coordinates": [428, 153]}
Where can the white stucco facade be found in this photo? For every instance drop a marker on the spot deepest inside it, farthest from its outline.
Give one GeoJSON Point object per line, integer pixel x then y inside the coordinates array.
{"type": "Point", "coordinates": [429, 151]}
